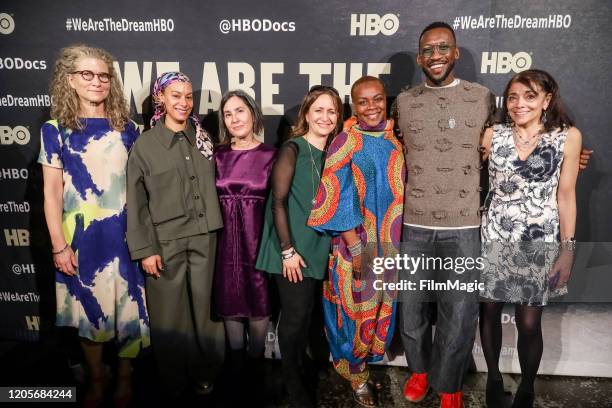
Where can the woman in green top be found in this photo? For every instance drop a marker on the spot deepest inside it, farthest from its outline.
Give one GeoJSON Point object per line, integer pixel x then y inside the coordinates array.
{"type": "Point", "coordinates": [296, 254]}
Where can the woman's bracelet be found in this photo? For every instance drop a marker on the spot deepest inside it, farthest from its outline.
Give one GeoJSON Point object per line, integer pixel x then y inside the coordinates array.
{"type": "Point", "coordinates": [569, 244]}
{"type": "Point", "coordinates": [288, 255]}
{"type": "Point", "coordinates": [355, 249]}
{"type": "Point", "coordinates": [60, 251]}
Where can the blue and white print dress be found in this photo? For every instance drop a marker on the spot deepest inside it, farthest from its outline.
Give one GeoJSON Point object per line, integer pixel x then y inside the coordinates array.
{"type": "Point", "coordinates": [106, 299]}
{"type": "Point", "coordinates": [520, 227]}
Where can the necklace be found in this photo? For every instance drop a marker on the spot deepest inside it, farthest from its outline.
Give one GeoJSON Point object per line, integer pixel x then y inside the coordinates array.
{"type": "Point", "coordinates": [245, 146]}
{"type": "Point", "coordinates": [444, 102]}
{"type": "Point", "coordinates": [312, 173]}
{"type": "Point", "coordinates": [526, 143]}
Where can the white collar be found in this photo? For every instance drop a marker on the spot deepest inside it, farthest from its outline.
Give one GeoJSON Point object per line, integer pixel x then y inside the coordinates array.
{"type": "Point", "coordinates": [454, 83]}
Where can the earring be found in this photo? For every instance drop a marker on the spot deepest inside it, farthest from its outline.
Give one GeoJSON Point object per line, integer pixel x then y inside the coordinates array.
{"type": "Point", "coordinates": [543, 118]}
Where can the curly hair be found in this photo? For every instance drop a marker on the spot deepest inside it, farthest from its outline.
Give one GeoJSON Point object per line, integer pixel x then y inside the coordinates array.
{"type": "Point", "coordinates": [65, 106]}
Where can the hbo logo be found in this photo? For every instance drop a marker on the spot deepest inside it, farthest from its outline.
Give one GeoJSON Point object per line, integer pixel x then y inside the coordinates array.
{"type": "Point", "coordinates": [504, 62]}
{"type": "Point", "coordinates": [18, 134]}
{"type": "Point", "coordinates": [372, 24]}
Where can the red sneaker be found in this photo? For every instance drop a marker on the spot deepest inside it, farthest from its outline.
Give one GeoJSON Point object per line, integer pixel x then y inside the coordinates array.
{"type": "Point", "coordinates": [416, 387]}
{"type": "Point", "coordinates": [454, 400]}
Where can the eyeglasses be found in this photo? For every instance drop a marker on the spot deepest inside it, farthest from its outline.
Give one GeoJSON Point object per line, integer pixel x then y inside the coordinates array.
{"type": "Point", "coordinates": [323, 88]}
{"type": "Point", "coordinates": [89, 76]}
{"type": "Point", "coordinates": [443, 49]}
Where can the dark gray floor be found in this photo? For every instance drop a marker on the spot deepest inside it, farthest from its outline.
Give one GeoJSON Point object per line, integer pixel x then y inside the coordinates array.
{"type": "Point", "coordinates": [32, 364]}
{"type": "Point", "coordinates": [551, 391]}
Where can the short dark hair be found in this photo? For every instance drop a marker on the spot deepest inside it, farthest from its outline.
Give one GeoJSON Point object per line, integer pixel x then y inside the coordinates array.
{"type": "Point", "coordinates": [437, 24]}
{"type": "Point", "coordinates": [258, 126]}
{"type": "Point", "coordinates": [364, 79]}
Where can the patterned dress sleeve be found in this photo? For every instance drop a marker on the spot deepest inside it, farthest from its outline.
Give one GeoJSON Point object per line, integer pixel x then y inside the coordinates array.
{"type": "Point", "coordinates": [51, 145]}
{"type": "Point", "coordinates": [339, 200]}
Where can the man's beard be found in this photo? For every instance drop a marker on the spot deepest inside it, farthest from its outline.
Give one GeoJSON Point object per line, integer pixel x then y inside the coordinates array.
{"type": "Point", "coordinates": [438, 81]}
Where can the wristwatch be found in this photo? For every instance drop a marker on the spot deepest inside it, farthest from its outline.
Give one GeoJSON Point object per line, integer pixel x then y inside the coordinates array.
{"type": "Point", "coordinates": [569, 244]}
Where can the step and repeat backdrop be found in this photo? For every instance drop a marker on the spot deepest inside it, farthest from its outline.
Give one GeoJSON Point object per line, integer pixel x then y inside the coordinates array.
{"type": "Point", "coordinates": [276, 52]}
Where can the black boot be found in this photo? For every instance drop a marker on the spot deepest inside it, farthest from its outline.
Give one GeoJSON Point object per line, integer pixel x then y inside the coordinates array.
{"type": "Point", "coordinates": [236, 363]}
{"type": "Point", "coordinates": [256, 384]}
{"type": "Point", "coordinates": [296, 390]}
{"type": "Point", "coordinates": [236, 377]}
{"type": "Point", "coordinates": [495, 393]}
{"type": "Point", "coordinates": [523, 399]}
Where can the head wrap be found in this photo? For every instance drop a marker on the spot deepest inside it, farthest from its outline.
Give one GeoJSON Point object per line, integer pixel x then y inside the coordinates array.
{"type": "Point", "coordinates": [203, 142]}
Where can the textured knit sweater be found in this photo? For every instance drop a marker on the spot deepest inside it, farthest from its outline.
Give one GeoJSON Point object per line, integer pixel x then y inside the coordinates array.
{"type": "Point", "coordinates": [441, 128]}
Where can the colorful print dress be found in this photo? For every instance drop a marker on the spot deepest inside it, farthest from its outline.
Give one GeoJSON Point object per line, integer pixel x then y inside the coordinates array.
{"type": "Point", "coordinates": [520, 228]}
{"type": "Point", "coordinates": [362, 188]}
{"type": "Point", "coordinates": [106, 299]}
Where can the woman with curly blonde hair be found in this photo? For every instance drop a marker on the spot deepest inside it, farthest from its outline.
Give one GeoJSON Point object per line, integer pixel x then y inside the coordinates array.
{"type": "Point", "coordinates": [84, 151]}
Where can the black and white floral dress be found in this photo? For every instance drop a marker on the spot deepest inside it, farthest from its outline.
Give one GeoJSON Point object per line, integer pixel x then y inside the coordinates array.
{"type": "Point", "coordinates": [520, 226]}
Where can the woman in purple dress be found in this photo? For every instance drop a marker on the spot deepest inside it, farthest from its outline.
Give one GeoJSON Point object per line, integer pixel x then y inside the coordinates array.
{"type": "Point", "coordinates": [243, 165]}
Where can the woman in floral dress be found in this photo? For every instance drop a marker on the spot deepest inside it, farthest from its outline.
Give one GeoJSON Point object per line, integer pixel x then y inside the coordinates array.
{"type": "Point", "coordinates": [528, 226]}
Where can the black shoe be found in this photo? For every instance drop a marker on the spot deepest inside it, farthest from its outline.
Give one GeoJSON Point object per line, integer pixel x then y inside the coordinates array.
{"type": "Point", "coordinates": [236, 362]}
{"type": "Point", "coordinates": [298, 396]}
{"type": "Point", "coordinates": [495, 393]}
{"type": "Point", "coordinates": [255, 386]}
{"type": "Point", "coordinates": [523, 399]}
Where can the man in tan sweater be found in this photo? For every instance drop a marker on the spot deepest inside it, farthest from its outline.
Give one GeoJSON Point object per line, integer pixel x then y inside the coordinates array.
{"type": "Point", "coordinates": [441, 122]}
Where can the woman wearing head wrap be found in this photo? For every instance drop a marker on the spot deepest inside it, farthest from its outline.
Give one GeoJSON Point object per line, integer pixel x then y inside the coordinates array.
{"type": "Point", "coordinates": [360, 201]}
{"type": "Point", "coordinates": [84, 151]}
{"type": "Point", "coordinates": [173, 213]}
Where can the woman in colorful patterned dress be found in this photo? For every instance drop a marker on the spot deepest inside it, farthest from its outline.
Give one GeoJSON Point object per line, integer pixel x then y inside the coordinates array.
{"type": "Point", "coordinates": [84, 151]}
{"type": "Point", "coordinates": [295, 254]}
{"type": "Point", "coordinates": [528, 228]}
{"type": "Point", "coordinates": [360, 202]}
{"type": "Point", "coordinates": [243, 165]}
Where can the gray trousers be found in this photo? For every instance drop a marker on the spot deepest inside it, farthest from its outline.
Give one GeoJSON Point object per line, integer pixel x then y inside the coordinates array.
{"type": "Point", "coordinates": [188, 346]}
{"type": "Point", "coordinates": [445, 357]}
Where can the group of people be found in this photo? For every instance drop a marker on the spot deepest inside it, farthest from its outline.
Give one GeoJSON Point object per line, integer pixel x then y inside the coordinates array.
{"type": "Point", "coordinates": [207, 224]}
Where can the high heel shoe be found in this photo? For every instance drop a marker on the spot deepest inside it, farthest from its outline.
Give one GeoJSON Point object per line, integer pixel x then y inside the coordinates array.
{"type": "Point", "coordinates": [495, 393]}
{"type": "Point", "coordinates": [523, 399]}
{"type": "Point", "coordinates": [364, 396]}
{"type": "Point", "coordinates": [123, 400]}
{"type": "Point", "coordinates": [95, 400]}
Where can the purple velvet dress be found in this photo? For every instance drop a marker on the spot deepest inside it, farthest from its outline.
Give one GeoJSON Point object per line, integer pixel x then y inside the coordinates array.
{"type": "Point", "coordinates": [242, 182]}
